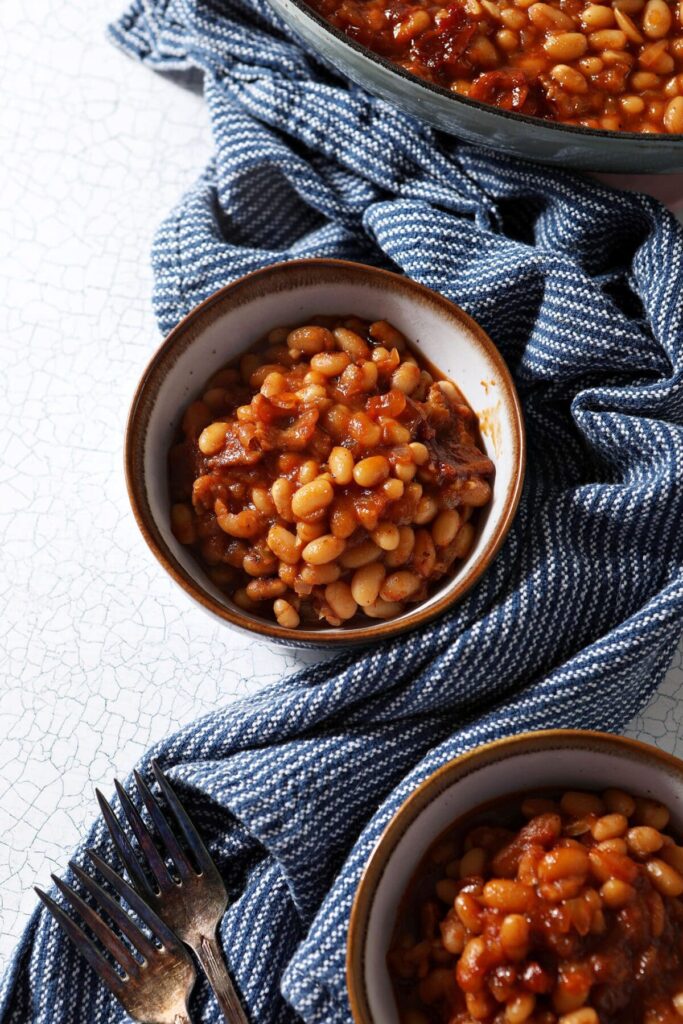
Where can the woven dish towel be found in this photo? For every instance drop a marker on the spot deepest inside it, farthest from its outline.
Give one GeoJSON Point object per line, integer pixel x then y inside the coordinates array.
{"type": "Point", "coordinates": [576, 621]}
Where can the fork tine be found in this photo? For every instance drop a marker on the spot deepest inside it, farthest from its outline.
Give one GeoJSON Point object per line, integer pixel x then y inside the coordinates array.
{"type": "Point", "coordinates": [125, 850]}
{"type": "Point", "coordinates": [172, 845]}
{"type": "Point", "coordinates": [145, 841]}
{"type": "Point", "coordinates": [103, 932]}
{"type": "Point", "coordinates": [84, 945]}
{"type": "Point", "coordinates": [194, 841]}
{"type": "Point", "coordinates": [138, 905]}
{"type": "Point", "coordinates": [115, 912]}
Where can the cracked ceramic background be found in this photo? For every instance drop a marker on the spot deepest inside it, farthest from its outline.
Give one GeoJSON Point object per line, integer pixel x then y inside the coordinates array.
{"type": "Point", "coordinates": [101, 655]}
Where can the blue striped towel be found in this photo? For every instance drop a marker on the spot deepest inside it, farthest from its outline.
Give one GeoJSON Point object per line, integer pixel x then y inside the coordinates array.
{"type": "Point", "coordinates": [576, 621]}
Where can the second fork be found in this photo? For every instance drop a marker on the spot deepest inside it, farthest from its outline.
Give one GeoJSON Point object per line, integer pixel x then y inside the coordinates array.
{"type": "Point", "coordinates": [191, 905]}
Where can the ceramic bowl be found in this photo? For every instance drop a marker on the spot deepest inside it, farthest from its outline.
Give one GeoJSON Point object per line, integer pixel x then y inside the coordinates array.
{"type": "Point", "coordinates": [289, 293]}
{"type": "Point", "coordinates": [528, 137]}
{"type": "Point", "coordinates": [559, 758]}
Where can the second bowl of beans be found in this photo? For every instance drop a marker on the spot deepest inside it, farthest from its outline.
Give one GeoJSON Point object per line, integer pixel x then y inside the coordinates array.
{"type": "Point", "coordinates": [536, 879]}
{"type": "Point", "coordinates": [325, 477]}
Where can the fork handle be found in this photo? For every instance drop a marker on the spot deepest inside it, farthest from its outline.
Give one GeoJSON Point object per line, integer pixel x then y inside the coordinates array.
{"type": "Point", "coordinates": [210, 956]}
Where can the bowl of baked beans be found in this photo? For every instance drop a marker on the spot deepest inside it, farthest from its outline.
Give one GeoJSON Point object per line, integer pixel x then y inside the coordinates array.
{"type": "Point", "coordinates": [324, 452]}
{"type": "Point", "coordinates": [594, 85]}
{"type": "Point", "coordinates": [536, 879]}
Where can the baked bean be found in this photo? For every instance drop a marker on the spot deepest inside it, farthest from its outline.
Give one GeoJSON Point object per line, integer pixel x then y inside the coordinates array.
{"type": "Point", "coordinates": [351, 343]}
{"type": "Point", "coordinates": [673, 115]}
{"type": "Point", "coordinates": [400, 585]}
{"type": "Point", "coordinates": [403, 550]}
{"type": "Point", "coordinates": [282, 492]}
{"type": "Point", "coordinates": [366, 583]}
{"type": "Point", "coordinates": [182, 524]}
{"type": "Point", "coordinates": [656, 19]}
{"type": "Point", "coordinates": [520, 1008]}
{"type": "Point", "coordinates": [239, 524]}
{"type": "Point", "coordinates": [507, 40]}
{"type": "Point", "coordinates": [616, 894]}
{"type": "Point", "coordinates": [323, 549]}
{"type": "Point", "coordinates": [649, 812]}
{"type": "Point", "coordinates": [286, 614]}
{"type": "Point", "coordinates": [665, 879]}
{"type": "Point", "coordinates": [569, 78]}
{"type": "Point", "coordinates": [309, 531]}
{"type": "Point", "coordinates": [426, 510]}
{"type": "Point", "coordinates": [445, 527]}
{"type": "Point", "coordinates": [312, 498]}
{"type": "Point", "coordinates": [473, 862]}
{"type": "Point", "coordinates": [385, 333]}
{"type": "Point", "coordinates": [212, 438]}
{"type": "Point", "coordinates": [343, 521]}
{"type": "Point", "coordinates": [242, 600]}
{"type": "Point", "coordinates": [452, 934]}
{"type": "Point", "coordinates": [545, 16]}
{"type": "Point", "coordinates": [364, 430]}
{"type": "Point", "coordinates": [371, 471]}
{"type": "Point", "coordinates": [566, 46]}
{"type": "Point", "coordinates": [514, 936]}
{"type": "Point", "coordinates": [673, 855]}
{"type": "Point", "coordinates": [363, 553]}
{"type": "Point", "coordinates": [340, 461]}
{"type": "Point", "coordinates": [386, 535]}
{"type": "Point", "coordinates": [564, 862]}
{"type": "Point", "coordinates": [618, 802]}
{"type": "Point", "coordinates": [405, 378]}
{"type": "Point", "coordinates": [424, 553]}
{"type": "Point", "coordinates": [265, 589]}
{"type": "Point", "coordinates": [380, 609]}
{"type": "Point", "coordinates": [577, 804]}
{"type": "Point", "coordinates": [597, 16]}
{"type": "Point", "coordinates": [585, 1015]}
{"type": "Point", "coordinates": [405, 471]}
{"type": "Point", "coordinates": [447, 890]}
{"type": "Point", "coordinates": [644, 840]}
{"type": "Point", "coordinates": [507, 895]}
{"type": "Point", "coordinates": [330, 364]}
{"type": "Point", "coordinates": [610, 826]}
{"type": "Point", "coordinates": [284, 544]}
{"type": "Point", "coordinates": [340, 599]}
{"type": "Point", "coordinates": [464, 539]}
{"type": "Point", "coordinates": [259, 561]}
{"type": "Point", "coordinates": [470, 913]}
{"type": "Point", "coordinates": [310, 339]}
{"type": "Point", "coordinates": [320, 575]}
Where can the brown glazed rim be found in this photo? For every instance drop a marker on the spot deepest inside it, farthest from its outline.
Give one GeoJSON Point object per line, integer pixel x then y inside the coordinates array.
{"type": "Point", "coordinates": [432, 788]}
{"type": "Point", "coordinates": [284, 277]}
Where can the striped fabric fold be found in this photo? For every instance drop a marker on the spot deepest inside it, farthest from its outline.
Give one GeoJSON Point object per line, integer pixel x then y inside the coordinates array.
{"type": "Point", "coordinates": [576, 621]}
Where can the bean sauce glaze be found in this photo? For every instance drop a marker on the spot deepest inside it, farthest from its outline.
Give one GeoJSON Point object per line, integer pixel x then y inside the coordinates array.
{"type": "Point", "coordinates": [611, 64]}
{"type": "Point", "coordinates": [561, 908]}
{"type": "Point", "coordinates": [326, 476]}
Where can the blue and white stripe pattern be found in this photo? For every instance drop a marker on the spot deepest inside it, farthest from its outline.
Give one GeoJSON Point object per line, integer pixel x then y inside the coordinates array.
{"type": "Point", "coordinates": [574, 624]}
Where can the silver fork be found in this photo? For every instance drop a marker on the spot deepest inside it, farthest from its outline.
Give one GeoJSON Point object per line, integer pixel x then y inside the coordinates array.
{"type": "Point", "coordinates": [191, 905]}
{"type": "Point", "coordinates": [154, 991]}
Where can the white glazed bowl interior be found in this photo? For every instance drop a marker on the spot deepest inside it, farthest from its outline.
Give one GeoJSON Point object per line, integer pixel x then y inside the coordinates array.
{"type": "Point", "coordinates": [295, 294]}
{"type": "Point", "coordinates": [567, 763]}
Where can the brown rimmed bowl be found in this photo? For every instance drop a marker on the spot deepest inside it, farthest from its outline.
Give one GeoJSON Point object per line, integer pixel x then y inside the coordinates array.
{"type": "Point", "coordinates": [228, 323]}
{"type": "Point", "coordinates": [557, 758]}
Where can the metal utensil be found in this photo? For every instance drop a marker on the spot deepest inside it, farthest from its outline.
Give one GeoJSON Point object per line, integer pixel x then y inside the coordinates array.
{"type": "Point", "coordinates": [153, 989]}
{"type": "Point", "coordinates": [191, 904]}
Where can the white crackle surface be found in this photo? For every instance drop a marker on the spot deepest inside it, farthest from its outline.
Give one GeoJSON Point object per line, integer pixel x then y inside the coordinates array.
{"type": "Point", "coordinates": [101, 655]}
